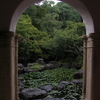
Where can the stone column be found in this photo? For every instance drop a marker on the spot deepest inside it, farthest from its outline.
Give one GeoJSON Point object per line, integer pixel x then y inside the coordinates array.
{"type": "Point", "coordinates": [84, 66]}
{"type": "Point", "coordinates": [8, 84]}
{"type": "Point", "coordinates": [16, 66]}
{"type": "Point", "coordinates": [93, 67]}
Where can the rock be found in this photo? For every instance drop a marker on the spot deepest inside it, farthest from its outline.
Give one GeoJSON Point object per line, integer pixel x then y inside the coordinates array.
{"type": "Point", "coordinates": [47, 87]}
{"type": "Point", "coordinates": [60, 87]}
{"type": "Point", "coordinates": [40, 61]}
{"type": "Point", "coordinates": [48, 99]}
{"type": "Point", "coordinates": [75, 65]}
{"type": "Point", "coordinates": [20, 88]}
{"type": "Point", "coordinates": [21, 83]}
{"type": "Point", "coordinates": [41, 68]}
{"type": "Point", "coordinates": [49, 66]}
{"type": "Point", "coordinates": [20, 71]}
{"type": "Point", "coordinates": [23, 70]}
{"type": "Point", "coordinates": [56, 65]}
{"type": "Point", "coordinates": [27, 69]}
{"type": "Point", "coordinates": [51, 99]}
{"type": "Point", "coordinates": [79, 74]}
{"type": "Point", "coordinates": [30, 64]}
{"type": "Point", "coordinates": [31, 94]}
{"type": "Point", "coordinates": [20, 65]}
{"type": "Point", "coordinates": [65, 82]}
{"type": "Point", "coordinates": [77, 81]}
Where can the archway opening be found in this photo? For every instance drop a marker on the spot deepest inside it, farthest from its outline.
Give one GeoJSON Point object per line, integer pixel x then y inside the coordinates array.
{"type": "Point", "coordinates": [57, 37]}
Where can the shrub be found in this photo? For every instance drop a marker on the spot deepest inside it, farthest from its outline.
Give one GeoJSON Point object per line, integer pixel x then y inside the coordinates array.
{"type": "Point", "coordinates": [54, 76]}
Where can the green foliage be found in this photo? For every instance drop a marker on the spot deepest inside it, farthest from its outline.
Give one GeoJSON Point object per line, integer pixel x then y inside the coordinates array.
{"type": "Point", "coordinates": [24, 26]}
{"type": "Point", "coordinates": [70, 92]}
{"type": "Point", "coordinates": [50, 31]}
{"type": "Point", "coordinates": [35, 12]}
{"type": "Point", "coordinates": [67, 43]}
{"type": "Point", "coordinates": [30, 38]}
{"type": "Point", "coordinates": [54, 76]}
{"type": "Point", "coordinates": [67, 12]}
{"type": "Point", "coordinates": [50, 24]}
{"type": "Point", "coordinates": [35, 66]}
{"type": "Point", "coordinates": [75, 28]}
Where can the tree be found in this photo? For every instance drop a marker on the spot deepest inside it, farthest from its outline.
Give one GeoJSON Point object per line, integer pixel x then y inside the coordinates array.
{"type": "Point", "coordinates": [35, 12]}
{"type": "Point", "coordinates": [66, 43]}
{"type": "Point", "coordinates": [30, 38]}
{"type": "Point", "coordinates": [68, 13]}
{"type": "Point", "coordinates": [49, 24]}
{"type": "Point", "coordinates": [53, 36]}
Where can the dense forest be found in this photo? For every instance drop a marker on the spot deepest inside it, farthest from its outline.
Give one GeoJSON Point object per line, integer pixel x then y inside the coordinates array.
{"type": "Point", "coordinates": [49, 31]}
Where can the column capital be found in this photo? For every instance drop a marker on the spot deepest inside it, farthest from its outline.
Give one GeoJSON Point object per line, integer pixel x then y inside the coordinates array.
{"type": "Point", "coordinates": [17, 36]}
{"type": "Point", "coordinates": [84, 37]}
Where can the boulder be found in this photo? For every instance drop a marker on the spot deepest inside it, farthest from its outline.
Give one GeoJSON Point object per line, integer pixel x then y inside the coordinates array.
{"type": "Point", "coordinates": [28, 70]}
{"type": "Point", "coordinates": [77, 81]}
{"type": "Point", "coordinates": [49, 66]}
{"type": "Point", "coordinates": [31, 94]}
{"type": "Point", "coordinates": [21, 81]}
{"type": "Point", "coordinates": [47, 87]}
{"type": "Point", "coordinates": [30, 64]}
{"type": "Point", "coordinates": [48, 99]}
{"type": "Point", "coordinates": [78, 74]}
{"type": "Point", "coordinates": [41, 68]}
{"type": "Point", "coordinates": [75, 65]}
{"type": "Point", "coordinates": [51, 99]}
{"type": "Point", "coordinates": [60, 87]}
{"type": "Point", "coordinates": [65, 82]}
{"type": "Point", "coordinates": [40, 61]}
{"type": "Point", "coordinates": [55, 64]}
{"type": "Point", "coordinates": [20, 65]}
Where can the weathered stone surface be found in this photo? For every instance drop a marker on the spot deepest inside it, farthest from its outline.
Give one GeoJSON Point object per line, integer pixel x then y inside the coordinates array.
{"type": "Point", "coordinates": [47, 87]}
{"type": "Point", "coordinates": [48, 99]}
{"type": "Point", "coordinates": [60, 87]}
{"type": "Point", "coordinates": [40, 61]}
{"type": "Point", "coordinates": [30, 64]}
{"type": "Point", "coordinates": [22, 70]}
{"type": "Point", "coordinates": [78, 74]}
{"type": "Point", "coordinates": [20, 65]}
{"type": "Point", "coordinates": [75, 65]}
{"type": "Point", "coordinates": [49, 66]}
{"type": "Point", "coordinates": [51, 99]}
{"type": "Point", "coordinates": [77, 81]}
{"type": "Point", "coordinates": [31, 94]}
{"type": "Point", "coordinates": [41, 68]}
{"type": "Point", "coordinates": [56, 65]}
{"type": "Point", "coordinates": [21, 81]}
{"type": "Point", "coordinates": [65, 82]}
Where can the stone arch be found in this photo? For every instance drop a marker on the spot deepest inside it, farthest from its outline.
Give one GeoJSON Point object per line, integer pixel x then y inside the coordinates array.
{"type": "Point", "coordinates": [77, 4]}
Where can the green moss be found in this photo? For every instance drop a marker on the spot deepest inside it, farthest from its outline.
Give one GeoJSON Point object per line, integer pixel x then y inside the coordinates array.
{"type": "Point", "coordinates": [35, 66]}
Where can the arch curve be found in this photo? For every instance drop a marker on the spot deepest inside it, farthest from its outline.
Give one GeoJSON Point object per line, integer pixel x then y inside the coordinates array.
{"type": "Point", "coordinates": [77, 4]}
